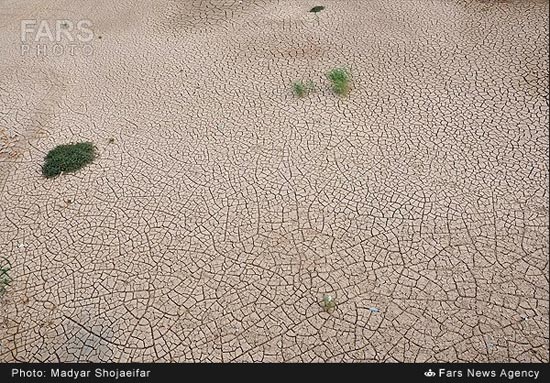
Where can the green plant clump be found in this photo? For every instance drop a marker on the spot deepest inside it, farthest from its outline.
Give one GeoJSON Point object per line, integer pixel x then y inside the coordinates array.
{"type": "Point", "coordinates": [340, 79]}
{"type": "Point", "coordinates": [302, 89]}
{"type": "Point", "coordinates": [328, 303]}
{"type": "Point", "coordinates": [68, 158]}
{"type": "Point", "coordinates": [5, 279]}
{"type": "Point", "coordinates": [317, 9]}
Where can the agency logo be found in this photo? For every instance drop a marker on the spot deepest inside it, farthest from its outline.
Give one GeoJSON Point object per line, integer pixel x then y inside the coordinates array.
{"type": "Point", "coordinates": [429, 373]}
{"type": "Point", "coordinates": [56, 37]}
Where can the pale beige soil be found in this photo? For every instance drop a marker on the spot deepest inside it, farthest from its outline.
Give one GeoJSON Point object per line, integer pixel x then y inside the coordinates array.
{"type": "Point", "coordinates": [226, 208]}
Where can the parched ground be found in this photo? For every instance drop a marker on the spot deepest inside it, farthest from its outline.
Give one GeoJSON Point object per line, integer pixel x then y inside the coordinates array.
{"type": "Point", "coordinates": [225, 208]}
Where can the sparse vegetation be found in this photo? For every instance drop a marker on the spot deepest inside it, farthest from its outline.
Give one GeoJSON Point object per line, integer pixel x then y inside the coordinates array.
{"type": "Point", "coordinates": [302, 89]}
{"type": "Point", "coordinates": [340, 79]}
{"type": "Point", "coordinates": [5, 279]}
{"type": "Point", "coordinates": [68, 158]}
{"type": "Point", "coordinates": [317, 9]}
{"type": "Point", "coordinates": [299, 89]}
{"type": "Point", "coordinates": [329, 305]}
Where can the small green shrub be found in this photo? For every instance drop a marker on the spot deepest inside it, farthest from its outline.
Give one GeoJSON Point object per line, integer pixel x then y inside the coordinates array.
{"type": "Point", "coordinates": [328, 303]}
{"type": "Point", "coordinates": [340, 79]}
{"type": "Point", "coordinates": [68, 158]}
{"type": "Point", "coordinates": [302, 89]}
{"type": "Point", "coordinates": [5, 279]}
{"type": "Point", "coordinates": [299, 89]}
{"type": "Point", "coordinates": [317, 9]}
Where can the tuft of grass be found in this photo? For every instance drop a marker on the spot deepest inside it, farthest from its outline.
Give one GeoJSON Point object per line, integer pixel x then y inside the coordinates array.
{"type": "Point", "coordinates": [328, 303]}
{"type": "Point", "coordinates": [317, 9]}
{"type": "Point", "coordinates": [68, 158]}
{"type": "Point", "coordinates": [299, 89]}
{"type": "Point", "coordinates": [5, 279]}
{"type": "Point", "coordinates": [302, 89]}
{"type": "Point", "coordinates": [340, 79]}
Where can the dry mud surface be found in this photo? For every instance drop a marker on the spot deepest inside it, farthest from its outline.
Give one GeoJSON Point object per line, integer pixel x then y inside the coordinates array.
{"type": "Point", "coordinates": [225, 208]}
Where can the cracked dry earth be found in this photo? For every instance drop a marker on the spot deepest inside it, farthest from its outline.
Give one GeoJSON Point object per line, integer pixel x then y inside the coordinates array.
{"type": "Point", "coordinates": [226, 208]}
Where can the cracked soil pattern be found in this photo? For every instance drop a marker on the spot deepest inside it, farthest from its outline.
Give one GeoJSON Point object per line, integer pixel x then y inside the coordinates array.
{"type": "Point", "coordinates": [226, 208]}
